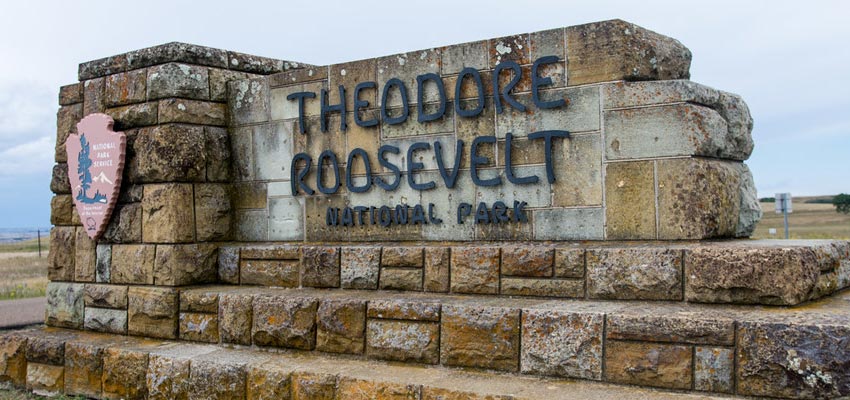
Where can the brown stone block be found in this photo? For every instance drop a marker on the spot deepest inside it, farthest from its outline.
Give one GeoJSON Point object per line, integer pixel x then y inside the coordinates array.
{"type": "Point", "coordinates": [530, 261]}
{"type": "Point", "coordinates": [689, 328]}
{"type": "Point", "coordinates": [235, 318]}
{"type": "Point", "coordinates": [349, 75]}
{"type": "Point", "coordinates": [282, 273]}
{"type": "Point", "coordinates": [178, 80]}
{"type": "Point", "coordinates": [126, 88]}
{"type": "Point", "coordinates": [617, 50]}
{"type": "Point", "coordinates": [152, 312]}
{"type": "Point", "coordinates": [169, 153]}
{"type": "Point", "coordinates": [59, 182]}
{"type": "Point", "coordinates": [404, 341]}
{"type": "Point", "coordinates": [133, 116]}
{"type": "Point", "coordinates": [634, 274]}
{"type": "Point", "coordinates": [645, 364]}
{"type": "Point", "coordinates": [83, 369]}
{"type": "Point", "coordinates": [249, 195]}
{"type": "Point", "coordinates": [713, 369]}
{"type": "Point", "coordinates": [46, 380]}
{"type": "Point", "coordinates": [202, 301]}
{"type": "Point", "coordinates": [269, 381]}
{"type": "Point", "coordinates": [93, 96]}
{"type": "Point", "coordinates": [481, 337]}
{"type": "Point", "coordinates": [133, 263]}
{"type": "Point", "coordinates": [85, 257]}
{"type": "Point", "coordinates": [562, 344]}
{"type": "Point", "coordinates": [168, 213]}
{"type": "Point", "coordinates": [320, 267]}
{"type": "Point", "coordinates": [436, 269]}
{"type": "Point", "coordinates": [362, 389]}
{"type": "Point", "coordinates": [697, 198]}
{"type": "Point", "coordinates": [217, 380]}
{"type": "Point", "coordinates": [435, 393]}
{"type": "Point", "coordinates": [316, 229]}
{"type": "Point", "coordinates": [105, 296]}
{"type": "Point", "coordinates": [578, 171]}
{"type": "Point", "coordinates": [313, 386]}
{"type": "Point", "coordinates": [630, 200]}
{"type": "Point", "coordinates": [217, 155]}
{"type": "Point", "coordinates": [104, 66]}
{"type": "Point", "coordinates": [410, 256]}
{"type": "Point", "coordinates": [167, 377]}
{"type": "Point", "coordinates": [412, 310]}
{"type": "Point", "coordinates": [62, 254]}
{"type": "Point", "coordinates": [272, 252]}
{"type": "Point", "coordinates": [569, 263]}
{"type": "Point", "coordinates": [359, 267]}
{"type": "Point", "coordinates": [573, 288]}
{"type": "Point", "coordinates": [199, 327]}
{"type": "Point", "coordinates": [61, 210]}
{"type": "Point", "coordinates": [401, 279]}
{"type": "Point", "coordinates": [284, 322]}
{"type": "Point", "coordinates": [406, 67]}
{"type": "Point", "coordinates": [124, 373]}
{"type": "Point", "coordinates": [510, 48]}
{"type": "Point", "coordinates": [71, 94]}
{"type": "Point", "coordinates": [66, 123]}
{"type": "Point", "coordinates": [475, 270]}
{"type": "Point", "coordinates": [219, 79]}
{"type": "Point", "coordinates": [192, 112]}
{"type": "Point", "coordinates": [47, 349]}
{"type": "Point", "coordinates": [13, 360]}
{"type": "Point", "coordinates": [185, 264]}
{"type": "Point", "coordinates": [341, 325]}
{"type": "Point", "coordinates": [125, 226]}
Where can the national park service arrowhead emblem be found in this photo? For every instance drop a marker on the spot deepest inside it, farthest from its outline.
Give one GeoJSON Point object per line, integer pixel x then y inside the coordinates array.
{"type": "Point", "coordinates": [95, 164]}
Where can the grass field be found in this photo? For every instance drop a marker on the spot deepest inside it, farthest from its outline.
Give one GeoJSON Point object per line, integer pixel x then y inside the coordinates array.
{"type": "Point", "coordinates": [22, 272]}
{"type": "Point", "coordinates": [808, 221]}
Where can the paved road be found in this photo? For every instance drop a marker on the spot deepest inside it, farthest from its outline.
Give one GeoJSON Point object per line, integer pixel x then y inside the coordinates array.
{"type": "Point", "coordinates": [17, 313]}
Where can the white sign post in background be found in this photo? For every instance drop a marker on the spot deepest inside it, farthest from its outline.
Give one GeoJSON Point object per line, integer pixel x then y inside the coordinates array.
{"type": "Point", "coordinates": [783, 206]}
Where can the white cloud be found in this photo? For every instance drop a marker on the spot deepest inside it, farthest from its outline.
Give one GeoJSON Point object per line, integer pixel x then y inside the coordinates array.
{"type": "Point", "coordinates": [27, 159]}
{"type": "Point", "coordinates": [26, 109]}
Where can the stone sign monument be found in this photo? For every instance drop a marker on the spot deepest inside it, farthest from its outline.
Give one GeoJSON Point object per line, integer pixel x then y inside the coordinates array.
{"type": "Point", "coordinates": [545, 209]}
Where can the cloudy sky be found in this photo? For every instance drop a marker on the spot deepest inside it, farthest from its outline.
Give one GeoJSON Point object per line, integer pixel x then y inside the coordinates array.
{"type": "Point", "coordinates": [789, 60]}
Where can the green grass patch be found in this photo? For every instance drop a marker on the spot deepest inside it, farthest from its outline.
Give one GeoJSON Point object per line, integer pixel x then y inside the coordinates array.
{"type": "Point", "coordinates": [22, 276]}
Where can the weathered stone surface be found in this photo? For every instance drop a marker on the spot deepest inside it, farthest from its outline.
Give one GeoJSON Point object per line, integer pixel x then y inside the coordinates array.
{"type": "Point", "coordinates": [105, 296]}
{"type": "Point", "coordinates": [542, 287]}
{"type": "Point", "coordinates": [106, 320]}
{"type": "Point", "coordinates": [805, 362]}
{"type": "Point", "coordinates": [248, 101]}
{"type": "Point", "coordinates": [617, 50]}
{"type": "Point", "coordinates": [213, 216]}
{"type": "Point", "coordinates": [124, 373]}
{"type": "Point", "coordinates": [178, 80]}
{"type": "Point", "coordinates": [235, 318]}
{"type": "Point", "coordinates": [133, 116]}
{"type": "Point", "coordinates": [475, 270]}
{"type": "Point", "coordinates": [436, 269]}
{"type": "Point", "coordinates": [366, 389]}
{"type": "Point", "coordinates": [125, 88]}
{"type": "Point", "coordinates": [45, 380]}
{"type": "Point", "coordinates": [309, 386]}
{"type": "Point", "coordinates": [659, 365]}
{"type": "Point", "coordinates": [401, 279]}
{"type": "Point", "coordinates": [168, 214]}
{"type": "Point", "coordinates": [685, 328]}
{"type": "Point", "coordinates": [47, 349]}
{"type": "Point", "coordinates": [83, 369]}
{"type": "Point", "coordinates": [282, 273]}
{"type": "Point", "coordinates": [569, 263]}
{"type": "Point", "coordinates": [192, 112]}
{"type": "Point", "coordinates": [272, 252]}
{"type": "Point", "coordinates": [61, 210]}
{"type": "Point", "coordinates": [85, 257]}
{"type": "Point", "coordinates": [59, 182]}
{"type": "Point", "coordinates": [359, 267]}
{"type": "Point", "coordinates": [402, 257]}
{"type": "Point", "coordinates": [399, 309]}
{"type": "Point", "coordinates": [284, 322]}
{"type": "Point", "coordinates": [713, 367]}
{"type": "Point", "coordinates": [152, 312]}
{"type": "Point", "coordinates": [217, 157]}
{"type": "Point", "coordinates": [202, 301]}
{"type": "Point", "coordinates": [482, 337]}
{"type": "Point", "coordinates": [168, 153]}
{"type": "Point", "coordinates": [341, 326]}
{"type": "Point", "coordinates": [125, 226]}
{"type": "Point", "coordinates": [167, 377]}
{"type": "Point", "coordinates": [436, 393]}
{"type": "Point", "coordinates": [780, 276]}
{"type": "Point", "coordinates": [634, 274]}
{"type": "Point", "coordinates": [684, 211]}
{"type": "Point", "coordinates": [530, 261]}
{"type": "Point", "coordinates": [93, 100]}
{"type": "Point", "coordinates": [320, 267]}
{"type": "Point", "coordinates": [750, 211]}
{"type": "Point", "coordinates": [562, 344]}
{"type": "Point", "coordinates": [185, 264]}
{"type": "Point", "coordinates": [630, 200]}
{"type": "Point", "coordinates": [132, 263]}
{"type": "Point", "coordinates": [66, 123]}
{"type": "Point", "coordinates": [403, 341]}
{"type": "Point", "coordinates": [269, 381]}
{"type": "Point", "coordinates": [569, 224]}
{"type": "Point", "coordinates": [13, 360]}
{"type": "Point", "coordinates": [199, 327]}
{"type": "Point", "coordinates": [70, 94]}
{"type": "Point", "coordinates": [64, 305]}
{"type": "Point", "coordinates": [228, 265]}
{"type": "Point", "coordinates": [103, 266]}
{"type": "Point", "coordinates": [61, 258]}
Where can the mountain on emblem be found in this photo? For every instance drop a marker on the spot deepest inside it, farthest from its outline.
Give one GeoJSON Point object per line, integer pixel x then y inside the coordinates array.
{"type": "Point", "coordinates": [96, 155]}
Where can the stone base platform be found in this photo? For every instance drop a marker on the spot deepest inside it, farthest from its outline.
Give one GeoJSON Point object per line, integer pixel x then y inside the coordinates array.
{"type": "Point", "coordinates": [799, 352]}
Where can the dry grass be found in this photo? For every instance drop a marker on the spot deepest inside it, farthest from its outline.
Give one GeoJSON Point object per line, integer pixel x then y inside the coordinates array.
{"type": "Point", "coordinates": [27, 246]}
{"type": "Point", "coordinates": [22, 275]}
{"type": "Point", "coordinates": [7, 392]}
{"type": "Point", "coordinates": [808, 221]}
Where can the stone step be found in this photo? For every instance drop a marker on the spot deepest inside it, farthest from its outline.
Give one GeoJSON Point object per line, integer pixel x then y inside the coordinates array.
{"type": "Point", "coordinates": [747, 350]}
{"type": "Point", "coordinates": [50, 360]}
{"type": "Point", "coordinates": [738, 271]}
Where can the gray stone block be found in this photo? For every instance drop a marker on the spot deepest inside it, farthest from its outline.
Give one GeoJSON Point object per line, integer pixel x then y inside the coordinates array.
{"type": "Point", "coordinates": [106, 320]}
{"type": "Point", "coordinates": [248, 101]}
{"type": "Point", "coordinates": [286, 218]}
{"type": "Point", "coordinates": [65, 305]}
{"type": "Point", "coordinates": [569, 224]}
{"type": "Point", "coordinates": [178, 80]}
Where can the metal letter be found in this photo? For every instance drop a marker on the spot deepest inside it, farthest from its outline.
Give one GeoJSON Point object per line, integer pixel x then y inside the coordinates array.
{"type": "Point", "coordinates": [300, 96]}
{"type": "Point", "coordinates": [420, 92]}
{"type": "Point", "coordinates": [537, 81]}
{"type": "Point", "coordinates": [478, 85]}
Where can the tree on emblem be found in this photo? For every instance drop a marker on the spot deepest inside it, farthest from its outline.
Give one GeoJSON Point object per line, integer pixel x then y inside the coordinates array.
{"type": "Point", "coordinates": [85, 163]}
